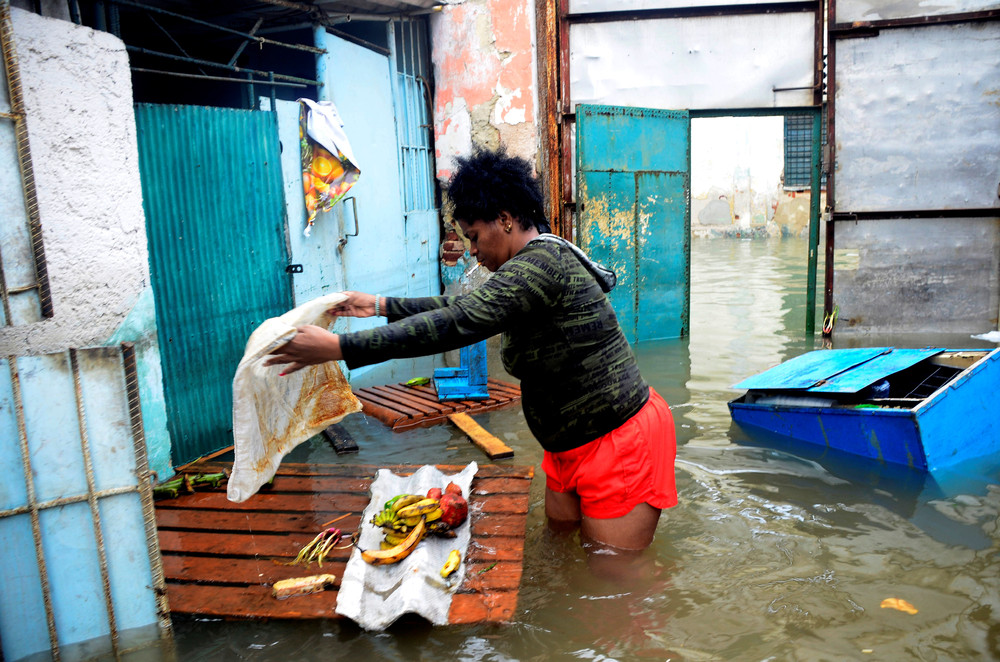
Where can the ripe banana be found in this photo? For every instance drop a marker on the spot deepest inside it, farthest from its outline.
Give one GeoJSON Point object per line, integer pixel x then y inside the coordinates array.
{"type": "Point", "coordinates": [407, 523]}
{"type": "Point", "coordinates": [418, 508]}
{"type": "Point", "coordinates": [433, 516]}
{"type": "Point", "coordinates": [397, 553]}
{"type": "Point", "coordinates": [404, 500]}
{"type": "Point", "coordinates": [395, 537]}
{"type": "Point", "coordinates": [451, 565]}
{"type": "Point", "coordinates": [440, 528]}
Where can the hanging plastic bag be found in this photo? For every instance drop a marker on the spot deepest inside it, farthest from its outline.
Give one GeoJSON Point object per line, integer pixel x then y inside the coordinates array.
{"type": "Point", "coordinates": [274, 414]}
{"type": "Point", "coordinates": [329, 169]}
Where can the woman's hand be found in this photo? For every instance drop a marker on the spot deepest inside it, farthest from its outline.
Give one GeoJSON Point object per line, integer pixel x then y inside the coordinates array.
{"type": "Point", "coordinates": [357, 304]}
{"type": "Point", "coordinates": [312, 345]}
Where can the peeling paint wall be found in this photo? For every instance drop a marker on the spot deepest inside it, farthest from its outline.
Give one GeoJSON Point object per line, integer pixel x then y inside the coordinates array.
{"type": "Point", "coordinates": [81, 126]}
{"type": "Point", "coordinates": [483, 52]}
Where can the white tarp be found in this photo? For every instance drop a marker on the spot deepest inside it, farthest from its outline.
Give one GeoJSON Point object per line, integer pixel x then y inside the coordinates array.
{"type": "Point", "coordinates": [374, 596]}
{"type": "Point", "coordinates": [274, 414]}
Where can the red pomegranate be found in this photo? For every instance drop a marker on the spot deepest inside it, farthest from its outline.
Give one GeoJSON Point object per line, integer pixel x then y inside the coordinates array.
{"type": "Point", "coordinates": [454, 509]}
{"type": "Point", "coordinates": [434, 493]}
{"type": "Point", "coordinates": [452, 488]}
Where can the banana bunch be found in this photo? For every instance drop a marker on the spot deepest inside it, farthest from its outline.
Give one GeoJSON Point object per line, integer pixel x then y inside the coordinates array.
{"type": "Point", "coordinates": [401, 516]}
{"type": "Point", "coordinates": [402, 512]}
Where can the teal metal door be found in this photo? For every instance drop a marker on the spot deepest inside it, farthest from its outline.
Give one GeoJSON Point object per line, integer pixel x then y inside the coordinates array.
{"type": "Point", "coordinates": [633, 191]}
{"type": "Point", "coordinates": [215, 220]}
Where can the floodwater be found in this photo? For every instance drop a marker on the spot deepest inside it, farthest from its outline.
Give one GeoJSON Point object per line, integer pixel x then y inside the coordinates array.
{"type": "Point", "coordinates": [773, 553]}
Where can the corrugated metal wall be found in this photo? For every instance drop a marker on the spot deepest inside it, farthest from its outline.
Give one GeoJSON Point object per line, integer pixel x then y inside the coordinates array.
{"type": "Point", "coordinates": [215, 218]}
{"type": "Point", "coordinates": [914, 239]}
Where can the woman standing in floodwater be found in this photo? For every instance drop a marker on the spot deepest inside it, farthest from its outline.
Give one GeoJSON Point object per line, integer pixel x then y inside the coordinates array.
{"type": "Point", "coordinates": [608, 438]}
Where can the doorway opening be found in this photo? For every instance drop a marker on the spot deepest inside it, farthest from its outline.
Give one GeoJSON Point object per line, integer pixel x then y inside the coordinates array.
{"type": "Point", "coordinates": [750, 227]}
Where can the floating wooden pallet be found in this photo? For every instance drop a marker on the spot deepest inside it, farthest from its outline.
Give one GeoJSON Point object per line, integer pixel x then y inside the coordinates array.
{"type": "Point", "coordinates": [402, 407]}
{"type": "Point", "coordinates": [221, 558]}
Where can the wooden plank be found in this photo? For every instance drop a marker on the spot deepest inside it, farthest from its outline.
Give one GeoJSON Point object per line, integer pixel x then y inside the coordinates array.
{"type": "Point", "coordinates": [403, 407]}
{"type": "Point", "coordinates": [493, 447]}
{"type": "Point", "coordinates": [480, 575]}
{"type": "Point", "coordinates": [390, 417]}
{"type": "Point", "coordinates": [354, 470]}
{"type": "Point", "coordinates": [407, 400]}
{"type": "Point", "coordinates": [497, 524]}
{"type": "Point", "coordinates": [340, 439]}
{"type": "Point", "coordinates": [394, 400]}
{"type": "Point", "coordinates": [257, 602]}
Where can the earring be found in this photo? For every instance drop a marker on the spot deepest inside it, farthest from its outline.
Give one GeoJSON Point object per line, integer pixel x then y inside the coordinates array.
{"type": "Point", "coordinates": [508, 228]}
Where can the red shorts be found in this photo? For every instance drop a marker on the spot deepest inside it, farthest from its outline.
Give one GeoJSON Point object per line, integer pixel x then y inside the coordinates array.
{"type": "Point", "coordinates": [630, 465]}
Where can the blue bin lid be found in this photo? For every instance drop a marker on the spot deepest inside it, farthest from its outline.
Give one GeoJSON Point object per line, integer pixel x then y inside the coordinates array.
{"type": "Point", "coordinates": [837, 370]}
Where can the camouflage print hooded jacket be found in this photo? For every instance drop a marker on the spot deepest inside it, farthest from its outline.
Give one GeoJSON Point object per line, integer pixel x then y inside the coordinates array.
{"type": "Point", "coordinates": [560, 338]}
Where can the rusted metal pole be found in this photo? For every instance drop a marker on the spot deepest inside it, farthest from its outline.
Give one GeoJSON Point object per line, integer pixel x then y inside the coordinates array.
{"type": "Point", "coordinates": [831, 132]}
{"type": "Point", "coordinates": [145, 488]}
{"type": "Point", "coordinates": [565, 120]}
{"type": "Point", "coordinates": [17, 113]}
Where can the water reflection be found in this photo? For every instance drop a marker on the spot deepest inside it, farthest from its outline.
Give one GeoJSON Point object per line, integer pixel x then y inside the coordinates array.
{"type": "Point", "coordinates": [774, 552]}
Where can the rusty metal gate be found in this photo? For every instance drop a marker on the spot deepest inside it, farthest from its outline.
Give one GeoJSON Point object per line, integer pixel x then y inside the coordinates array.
{"type": "Point", "coordinates": [633, 190]}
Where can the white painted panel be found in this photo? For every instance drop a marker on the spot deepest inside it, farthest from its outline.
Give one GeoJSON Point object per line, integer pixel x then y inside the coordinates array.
{"type": "Point", "coordinates": [917, 276]}
{"type": "Point", "coordinates": [849, 11]}
{"type": "Point", "coordinates": [591, 6]}
{"type": "Point", "coordinates": [694, 63]}
{"type": "Point", "coordinates": [918, 119]}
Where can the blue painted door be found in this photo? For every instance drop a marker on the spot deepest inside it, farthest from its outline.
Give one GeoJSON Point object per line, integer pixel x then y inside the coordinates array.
{"type": "Point", "coordinates": [633, 191]}
{"type": "Point", "coordinates": [395, 242]}
{"type": "Point", "coordinates": [215, 219]}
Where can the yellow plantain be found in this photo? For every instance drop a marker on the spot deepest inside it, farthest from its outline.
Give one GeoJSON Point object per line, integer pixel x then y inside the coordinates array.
{"type": "Point", "coordinates": [397, 553]}
{"type": "Point", "coordinates": [405, 525]}
{"type": "Point", "coordinates": [451, 565]}
{"type": "Point", "coordinates": [396, 537]}
{"type": "Point", "coordinates": [421, 507]}
{"type": "Point", "coordinates": [404, 501]}
{"type": "Point", "coordinates": [433, 516]}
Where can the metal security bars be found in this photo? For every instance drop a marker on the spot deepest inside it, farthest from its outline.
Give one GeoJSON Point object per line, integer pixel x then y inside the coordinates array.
{"type": "Point", "coordinates": [799, 150]}
{"type": "Point", "coordinates": [80, 491]}
{"type": "Point", "coordinates": [413, 95]}
{"type": "Point", "coordinates": [24, 281]}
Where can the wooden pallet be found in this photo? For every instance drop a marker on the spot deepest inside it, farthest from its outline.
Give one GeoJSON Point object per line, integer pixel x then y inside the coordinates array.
{"type": "Point", "coordinates": [402, 407]}
{"type": "Point", "coordinates": [221, 558]}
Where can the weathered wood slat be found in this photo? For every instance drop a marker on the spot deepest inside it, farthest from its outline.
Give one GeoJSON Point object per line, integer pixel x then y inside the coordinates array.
{"type": "Point", "coordinates": [480, 575]}
{"type": "Point", "coordinates": [402, 407]}
{"type": "Point", "coordinates": [221, 558]}
{"type": "Point", "coordinates": [309, 523]}
{"type": "Point", "coordinates": [343, 503]}
{"type": "Point", "coordinates": [354, 470]}
{"type": "Point", "coordinates": [489, 444]}
{"type": "Point", "coordinates": [257, 602]}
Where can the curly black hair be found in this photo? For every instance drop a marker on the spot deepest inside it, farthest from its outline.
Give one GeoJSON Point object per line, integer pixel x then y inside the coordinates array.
{"type": "Point", "coordinates": [488, 182]}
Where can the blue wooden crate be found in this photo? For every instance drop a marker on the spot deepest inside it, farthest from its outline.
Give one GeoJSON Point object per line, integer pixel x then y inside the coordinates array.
{"type": "Point", "coordinates": [923, 408]}
{"type": "Point", "coordinates": [468, 381]}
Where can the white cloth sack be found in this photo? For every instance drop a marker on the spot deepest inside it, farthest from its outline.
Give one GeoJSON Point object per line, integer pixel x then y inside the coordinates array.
{"type": "Point", "coordinates": [374, 596]}
{"type": "Point", "coordinates": [273, 414]}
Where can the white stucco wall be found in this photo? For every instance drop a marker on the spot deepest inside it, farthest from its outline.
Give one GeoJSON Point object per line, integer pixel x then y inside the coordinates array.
{"type": "Point", "coordinates": [78, 98]}
{"type": "Point", "coordinates": [77, 91]}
